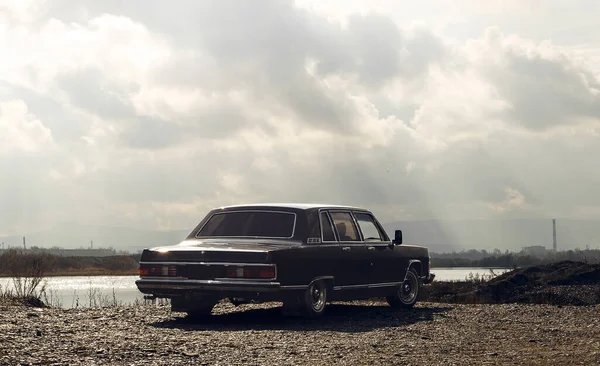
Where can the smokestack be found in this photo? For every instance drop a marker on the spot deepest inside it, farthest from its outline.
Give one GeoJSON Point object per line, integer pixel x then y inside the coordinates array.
{"type": "Point", "coordinates": [554, 235]}
{"type": "Point", "coordinates": [24, 246]}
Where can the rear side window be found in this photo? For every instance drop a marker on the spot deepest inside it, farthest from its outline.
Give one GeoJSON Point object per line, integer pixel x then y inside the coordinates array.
{"type": "Point", "coordinates": [368, 227]}
{"type": "Point", "coordinates": [344, 226]}
{"type": "Point", "coordinates": [265, 224]}
{"type": "Point", "coordinates": [326, 226]}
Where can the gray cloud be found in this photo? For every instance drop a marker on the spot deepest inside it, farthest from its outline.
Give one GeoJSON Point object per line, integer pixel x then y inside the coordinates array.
{"type": "Point", "coordinates": [66, 125]}
{"type": "Point", "coordinates": [234, 89]}
{"type": "Point", "coordinates": [544, 91]}
{"type": "Point", "coordinates": [89, 89]}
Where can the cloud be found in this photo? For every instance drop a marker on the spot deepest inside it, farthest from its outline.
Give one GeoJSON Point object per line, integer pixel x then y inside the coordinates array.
{"type": "Point", "coordinates": [543, 86]}
{"type": "Point", "coordinates": [20, 131]}
{"type": "Point", "coordinates": [148, 116]}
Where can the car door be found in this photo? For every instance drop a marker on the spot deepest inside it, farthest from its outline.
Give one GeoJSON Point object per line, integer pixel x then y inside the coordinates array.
{"type": "Point", "coordinates": [379, 250]}
{"type": "Point", "coordinates": [352, 267]}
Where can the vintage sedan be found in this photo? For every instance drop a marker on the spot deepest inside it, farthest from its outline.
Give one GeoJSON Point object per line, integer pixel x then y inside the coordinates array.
{"type": "Point", "coordinates": [304, 255]}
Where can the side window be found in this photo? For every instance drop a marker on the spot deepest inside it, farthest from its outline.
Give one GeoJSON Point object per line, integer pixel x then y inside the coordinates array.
{"type": "Point", "coordinates": [326, 226]}
{"type": "Point", "coordinates": [368, 227]}
{"type": "Point", "coordinates": [345, 226]}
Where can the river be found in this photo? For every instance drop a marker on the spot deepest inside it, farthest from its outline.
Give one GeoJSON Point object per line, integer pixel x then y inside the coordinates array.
{"type": "Point", "coordinates": [86, 291]}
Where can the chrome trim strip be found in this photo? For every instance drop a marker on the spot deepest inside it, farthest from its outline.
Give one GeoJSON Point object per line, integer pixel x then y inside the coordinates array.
{"type": "Point", "coordinates": [207, 282]}
{"type": "Point", "coordinates": [375, 223]}
{"type": "Point", "coordinates": [349, 212]}
{"type": "Point", "coordinates": [235, 279]}
{"type": "Point", "coordinates": [387, 284]}
{"type": "Point", "coordinates": [254, 237]}
{"type": "Point", "coordinates": [323, 211]}
{"type": "Point", "coordinates": [294, 287]}
{"type": "Point", "coordinates": [329, 244]}
{"type": "Point", "coordinates": [213, 264]}
{"type": "Point", "coordinates": [170, 284]}
{"type": "Point", "coordinates": [370, 285]}
{"type": "Point", "coordinates": [151, 283]}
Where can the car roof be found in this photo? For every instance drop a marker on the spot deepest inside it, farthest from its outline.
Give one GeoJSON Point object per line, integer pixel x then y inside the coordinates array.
{"type": "Point", "coordinates": [297, 206]}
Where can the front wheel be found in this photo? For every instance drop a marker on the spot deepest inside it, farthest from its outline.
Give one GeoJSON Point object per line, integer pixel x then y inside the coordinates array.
{"type": "Point", "coordinates": [407, 294]}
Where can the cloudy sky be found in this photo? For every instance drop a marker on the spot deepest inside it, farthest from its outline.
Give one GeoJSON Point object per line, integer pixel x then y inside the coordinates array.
{"type": "Point", "coordinates": [148, 113]}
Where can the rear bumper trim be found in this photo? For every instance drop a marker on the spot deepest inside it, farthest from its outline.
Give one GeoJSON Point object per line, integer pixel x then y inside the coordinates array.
{"type": "Point", "coordinates": [150, 286]}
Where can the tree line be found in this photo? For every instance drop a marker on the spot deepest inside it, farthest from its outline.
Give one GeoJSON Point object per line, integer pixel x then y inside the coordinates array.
{"type": "Point", "coordinates": [506, 259]}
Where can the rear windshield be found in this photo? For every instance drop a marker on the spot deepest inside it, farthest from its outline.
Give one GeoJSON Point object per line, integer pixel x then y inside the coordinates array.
{"type": "Point", "coordinates": [250, 223]}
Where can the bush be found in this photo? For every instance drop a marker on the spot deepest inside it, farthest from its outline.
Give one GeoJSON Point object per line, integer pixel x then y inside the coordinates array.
{"type": "Point", "coordinates": [27, 270]}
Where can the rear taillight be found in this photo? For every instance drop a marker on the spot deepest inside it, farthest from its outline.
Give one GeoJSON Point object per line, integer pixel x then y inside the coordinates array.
{"type": "Point", "coordinates": [158, 270]}
{"type": "Point", "coordinates": [251, 272]}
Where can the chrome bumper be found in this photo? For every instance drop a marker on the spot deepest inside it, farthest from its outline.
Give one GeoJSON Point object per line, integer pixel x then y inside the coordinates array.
{"type": "Point", "coordinates": [429, 278]}
{"type": "Point", "coordinates": [169, 285]}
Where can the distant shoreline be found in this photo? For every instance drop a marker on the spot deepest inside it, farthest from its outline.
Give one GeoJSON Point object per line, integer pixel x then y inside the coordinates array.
{"type": "Point", "coordinates": [85, 272]}
{"type": "Point", "coordinates": [134, 272]}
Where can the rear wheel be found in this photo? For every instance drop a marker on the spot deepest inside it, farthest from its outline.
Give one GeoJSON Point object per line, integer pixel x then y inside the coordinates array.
{"type": "Point", "coordinates": [311, 303]}
{"type": "Point", "coordinates": [407, 294]}
{"type": "Point", "coordinates": [315, 299]}
{"type": "Point", "coordinates": [194, 306]}
{"type": "Point", "coordinates": [200, 311]}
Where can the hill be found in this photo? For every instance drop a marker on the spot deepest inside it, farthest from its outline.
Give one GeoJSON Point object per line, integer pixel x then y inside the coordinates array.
{"type": "Point", "coordinates": [79, 236]}
{"type": "Point", "coordinates": [439, 236]}
{"type": "Point", "coordinates": [447, 236]}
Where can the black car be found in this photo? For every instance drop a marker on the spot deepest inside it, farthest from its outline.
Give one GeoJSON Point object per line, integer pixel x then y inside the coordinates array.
{"type": "Point", "coordinates": [303, 255]}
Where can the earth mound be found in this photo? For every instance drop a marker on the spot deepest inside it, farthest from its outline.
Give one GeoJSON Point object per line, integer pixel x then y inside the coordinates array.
{"type": "Point", "coordinates": [559, 283]}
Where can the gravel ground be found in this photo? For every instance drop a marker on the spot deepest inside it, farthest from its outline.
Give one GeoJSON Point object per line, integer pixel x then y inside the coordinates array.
{"type": "Point", "coordinates": [358, 333]}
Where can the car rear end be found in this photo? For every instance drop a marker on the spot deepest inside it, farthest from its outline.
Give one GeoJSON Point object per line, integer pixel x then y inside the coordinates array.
{"type": "Point", "coordinates": [227, 256]}
{"type": "Point", "coordinates": [219, 272]}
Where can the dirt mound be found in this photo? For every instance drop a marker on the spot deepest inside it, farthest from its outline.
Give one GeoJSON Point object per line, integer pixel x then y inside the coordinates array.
{"type": "Point", "coordinates": [560, 283]}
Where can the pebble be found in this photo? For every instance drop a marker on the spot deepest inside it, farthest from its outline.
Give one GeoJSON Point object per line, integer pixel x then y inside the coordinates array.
{"type": "Point", "coordinates": [353, 333]}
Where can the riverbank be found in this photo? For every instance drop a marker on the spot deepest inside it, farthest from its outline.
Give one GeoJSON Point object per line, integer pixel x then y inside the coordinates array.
{"type": "Point", "coordinates": [357, 333]}
{"type": "Point", "coordinates": [87, 272]}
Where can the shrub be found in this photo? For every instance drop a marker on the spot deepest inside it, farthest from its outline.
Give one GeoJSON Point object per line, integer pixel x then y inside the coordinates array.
{"type": "Point", "coordinates": [27, 270]}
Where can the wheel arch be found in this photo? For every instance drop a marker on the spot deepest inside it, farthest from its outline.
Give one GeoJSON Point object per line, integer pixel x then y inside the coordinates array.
{"type": "Point", "coordinates": [329, 281]}
{"type": "Point", "coordinates": [417, 265]}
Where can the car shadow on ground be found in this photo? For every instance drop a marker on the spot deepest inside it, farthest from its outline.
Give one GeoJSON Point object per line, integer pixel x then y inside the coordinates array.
{"type": "Point", "coordinates": [338, 317]}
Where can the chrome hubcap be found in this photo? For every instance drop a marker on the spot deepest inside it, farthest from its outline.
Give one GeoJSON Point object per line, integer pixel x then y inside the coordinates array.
{"type": "Point", "coordinates": [318, 297]}
{"type": "Point", "coordinates": [408, 290]}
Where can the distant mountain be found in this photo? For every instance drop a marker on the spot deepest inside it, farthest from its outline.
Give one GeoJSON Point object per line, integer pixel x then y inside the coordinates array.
{"type": "Point", "coordinates": [446, 236]}
{"type": "Point", "coordinates": [439, 236]}
{"type": "Point", "coordinates": [79, 236]}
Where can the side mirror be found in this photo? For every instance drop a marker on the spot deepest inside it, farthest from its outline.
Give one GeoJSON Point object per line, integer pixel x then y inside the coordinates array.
{"type": "Point", "coordinates": [397, 237]}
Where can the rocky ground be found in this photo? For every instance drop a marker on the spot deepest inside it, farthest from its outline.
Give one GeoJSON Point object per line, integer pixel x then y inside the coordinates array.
{"type": "Point", "coordinates": [358, 333]}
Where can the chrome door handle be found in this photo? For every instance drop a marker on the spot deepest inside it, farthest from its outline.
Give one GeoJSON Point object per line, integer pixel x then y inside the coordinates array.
{"type": "Point", "coordinates": [345, 248]}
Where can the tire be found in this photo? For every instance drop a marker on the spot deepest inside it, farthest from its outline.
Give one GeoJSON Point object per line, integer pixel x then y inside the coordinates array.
{"type": "Point", "coordinates": [310, 304]}
{"type": "Point", "coordinates": [200, 312]}
{"type": "Point", "coordinates": [408, 293]}
{"type": "Point", "coordinates": [315, 299]}
{"type": "Point", "coordinates": [197, 308]}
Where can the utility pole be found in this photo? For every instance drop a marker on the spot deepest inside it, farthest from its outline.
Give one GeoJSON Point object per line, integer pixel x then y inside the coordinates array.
{"type": "Point", "coordinates": [24, 246]}
{"type": "Point", "coordinates": [91, 244]}
{"type": "Point", "coordinates": [554, 234]}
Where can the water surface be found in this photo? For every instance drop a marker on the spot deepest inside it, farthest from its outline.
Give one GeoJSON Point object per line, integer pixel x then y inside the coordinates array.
{"type": "Point", "coordinates": [86, 291]}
